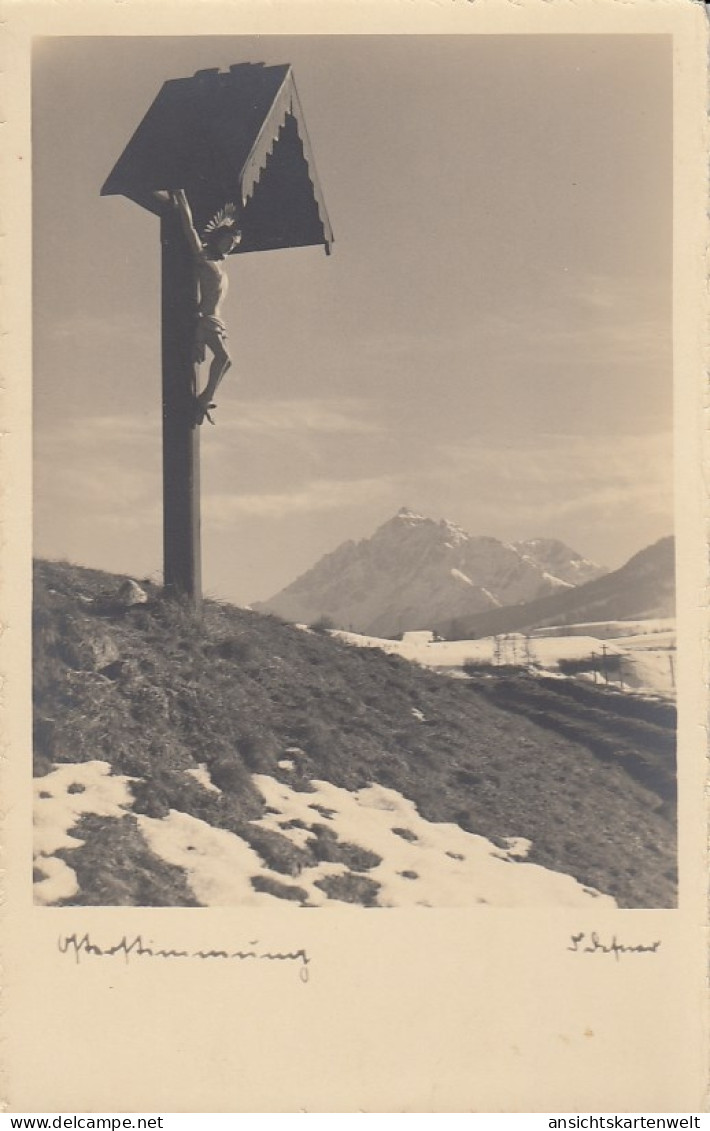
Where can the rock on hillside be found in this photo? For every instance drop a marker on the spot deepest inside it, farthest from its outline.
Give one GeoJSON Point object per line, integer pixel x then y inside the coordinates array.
{"type": "Point", "coordinates": [415, 572]}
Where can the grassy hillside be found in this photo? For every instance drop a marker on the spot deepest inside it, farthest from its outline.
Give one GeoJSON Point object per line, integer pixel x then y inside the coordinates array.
{"type": "Point", "coordinates": [155, 692]}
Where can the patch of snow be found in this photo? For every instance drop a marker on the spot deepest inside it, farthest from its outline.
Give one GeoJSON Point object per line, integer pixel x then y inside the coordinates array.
{"type": "Point", "coordinates": [609, 629]}
{"type": "Point", "coordinates": [436, 865]}
{"type": "Point", "coordinates": [557, 580]}
{"type": "Point", "coordinates": [459, 576]}
{"type": "Point", "coordinates": [652, 642]}
{"type": "Point", "coordinates": [55, 880]}
{"type": "Point", "coordinates": [650, 672]}
{"type": "Point", "coordinates": [418, 715]}
{"type": "Point", "coordinates": [442, 866]}
{"type": "Point", "coordinates": [217, 864]}
{"type": "Point", "coordinates": [491, 597]}
{"type": "Point", "coordinates": [202, 775]}
{"type": "Point", "coordinates": [457, 535]}
{"type": "Point", "coordinates": [408, 515]}
{"type": "Point", "coordinates": [61, 798]}
{"type": "Point", "coordinates": [548, 650]}
{"type": "Point", "coordinates": [286, 764]}
{"type": "Point", "coordinates": [647, 660]}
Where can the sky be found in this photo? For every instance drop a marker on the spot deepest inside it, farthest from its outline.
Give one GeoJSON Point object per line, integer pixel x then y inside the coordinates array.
{"type": "Point", "coordinates": [490, 341]}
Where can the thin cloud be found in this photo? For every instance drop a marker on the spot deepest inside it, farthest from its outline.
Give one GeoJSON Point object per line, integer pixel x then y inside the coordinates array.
{"type": "Point", "coordinates": [102, 469]}
{"type": "Point", "coordinates": [347, 415]}
{"type": "Point", "coordinates": [556, 477]}
{"type": "Point", "coordinates": [584, 319]}
{"type": "Point", "coordinates": [316, 496]}
{"type": "Point", "coordinates": [114, 327]}
{"type": "Point", "coordinates": [108, 487]}
{"type": "Point", "coordinates": [548, 459]}
{"type": "Point", "coordinates": [90, 432]}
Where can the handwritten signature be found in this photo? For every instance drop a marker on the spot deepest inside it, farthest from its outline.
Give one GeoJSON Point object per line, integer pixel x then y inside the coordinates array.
{"type": "Point", "coordinates": [594, 945]}
{"type": "Point", "coordinates": [83, 945]}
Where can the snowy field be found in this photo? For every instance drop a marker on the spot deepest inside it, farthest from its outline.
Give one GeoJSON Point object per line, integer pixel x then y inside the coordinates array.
{"type": "Point", "coordinates": [646, 648]}
{"type": "Point", "coordinates": [609, 629]}
{"type": "Point", "coordinates": [420, 863]}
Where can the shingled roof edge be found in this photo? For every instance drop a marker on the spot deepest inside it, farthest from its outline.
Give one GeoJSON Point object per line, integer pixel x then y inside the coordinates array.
{"type": "Point", "coordinates": [285, 102]}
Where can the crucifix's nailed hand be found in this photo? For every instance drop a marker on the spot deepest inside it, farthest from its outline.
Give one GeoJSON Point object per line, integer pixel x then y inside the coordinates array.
{"type": "Point", "coordinates": [209, 252]}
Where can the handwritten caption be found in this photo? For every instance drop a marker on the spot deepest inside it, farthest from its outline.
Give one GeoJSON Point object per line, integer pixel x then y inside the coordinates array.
{"type": "Point", "coordinates": [584, 943]}
{"type": "Point", "coordinates": [83, 946]}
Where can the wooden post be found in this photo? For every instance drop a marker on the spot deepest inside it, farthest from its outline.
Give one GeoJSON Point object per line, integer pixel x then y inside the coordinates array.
{"type": "Point", "coordinates": [182, 570]}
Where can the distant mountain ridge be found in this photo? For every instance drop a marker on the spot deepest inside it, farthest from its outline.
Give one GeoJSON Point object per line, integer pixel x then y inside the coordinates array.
{"type": "Point", "coordinates": [642, 588]}
{"type": "Point", "coordinates": [415, 572]}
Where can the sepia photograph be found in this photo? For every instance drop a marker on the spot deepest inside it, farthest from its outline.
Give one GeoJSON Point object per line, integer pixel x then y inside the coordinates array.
{"type": "Point", "coordinates": [354, 572]}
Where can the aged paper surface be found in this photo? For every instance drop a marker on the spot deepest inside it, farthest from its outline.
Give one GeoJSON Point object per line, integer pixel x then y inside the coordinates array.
{"type": "Point", "coordinates": [421, 1010]}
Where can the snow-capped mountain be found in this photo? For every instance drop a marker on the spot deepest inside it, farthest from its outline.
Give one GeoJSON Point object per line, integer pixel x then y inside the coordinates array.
{"type": "Point", "coordinates": [557, 561]}
{"type": "Point", "coordinates": [415, 572]}
{"type": "Point", "coordinates": [642, 588]}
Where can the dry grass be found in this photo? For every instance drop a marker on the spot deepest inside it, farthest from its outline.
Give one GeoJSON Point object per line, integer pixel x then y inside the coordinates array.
{"type": "Point", "coordinates": [155, 692]}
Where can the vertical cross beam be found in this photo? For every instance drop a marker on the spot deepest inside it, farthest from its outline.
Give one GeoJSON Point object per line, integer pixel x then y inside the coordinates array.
{"type": "Point", "coordinates": [182, 570]}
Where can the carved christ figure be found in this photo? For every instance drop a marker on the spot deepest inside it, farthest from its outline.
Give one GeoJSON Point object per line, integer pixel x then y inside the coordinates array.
{"type": "Point", "coordinates": [220, 237]}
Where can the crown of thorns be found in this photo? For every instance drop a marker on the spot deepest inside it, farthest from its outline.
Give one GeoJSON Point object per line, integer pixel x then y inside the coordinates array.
{"type": "Point", "coordinates": [225, 218]}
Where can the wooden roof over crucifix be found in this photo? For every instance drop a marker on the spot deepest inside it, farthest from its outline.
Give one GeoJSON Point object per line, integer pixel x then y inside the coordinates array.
{"type": "Point", "coordinates": [237, 136]}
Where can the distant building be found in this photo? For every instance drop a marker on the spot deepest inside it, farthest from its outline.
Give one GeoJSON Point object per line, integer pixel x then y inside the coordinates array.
{"type": "Point", "coordinates": [425, 636]}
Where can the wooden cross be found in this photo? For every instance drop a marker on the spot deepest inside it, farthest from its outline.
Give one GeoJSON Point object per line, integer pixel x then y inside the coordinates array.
{"type": "Point", "coordinates": [237, 136]}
